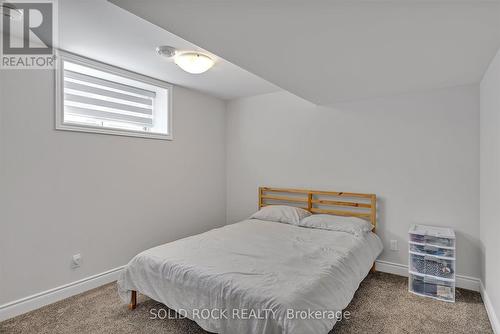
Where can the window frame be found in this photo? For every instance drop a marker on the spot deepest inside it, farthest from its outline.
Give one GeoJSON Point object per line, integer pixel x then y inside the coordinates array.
{"type": "Point", "coordinates": [97, 65]}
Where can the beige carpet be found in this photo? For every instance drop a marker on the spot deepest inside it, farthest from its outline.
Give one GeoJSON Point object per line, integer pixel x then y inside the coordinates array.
{"type": "Point", "coordinates": [381, 305]}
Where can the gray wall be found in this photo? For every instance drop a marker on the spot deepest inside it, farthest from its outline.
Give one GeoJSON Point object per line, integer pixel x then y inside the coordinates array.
{"type": "Point", "coordinates": [2, 236]}
{"type": "Point", "coordinates": [106, 197]}
{"type": "Point", "coordinates": [419, 153]}
{"type": "Point", "coordinates": [490, 182]}
{"type": "Point", "coordinates": [109, 197]}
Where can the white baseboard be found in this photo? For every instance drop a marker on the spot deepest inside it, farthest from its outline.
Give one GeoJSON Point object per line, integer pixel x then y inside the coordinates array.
{"type": "Point", "coordinates": [38, 300]}
{"type": "Point", "coordinates": [462, 281]}
{"type": "Point", "coordinates": [495, 322]}
{"type": "Point", "coordinates": [391, 268]}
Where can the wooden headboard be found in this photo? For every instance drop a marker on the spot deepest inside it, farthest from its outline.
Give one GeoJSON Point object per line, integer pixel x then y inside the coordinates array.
{"type": "Point", "coordinates": [319, 201]}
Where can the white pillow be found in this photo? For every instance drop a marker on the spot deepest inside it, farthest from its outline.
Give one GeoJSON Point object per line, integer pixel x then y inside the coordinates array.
{"type": "Point", "coordinates": [353, 225]}
{"type": "Point", "coordinates": [281, 214]}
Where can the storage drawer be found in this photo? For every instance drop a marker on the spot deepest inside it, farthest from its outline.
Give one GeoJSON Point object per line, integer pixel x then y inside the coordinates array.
{"type": "Point", "coordinates": [436, 241]}
{"type": "Point", "coordinates": [432, 250]}
{"type": "Point", "coordinates": [417, 238]}
{"type": "Point", "coordinates": [432, 240]}
{"type": "Point", "coordinates": [433, 266]}
{"type": "Point", "coordinates": [432, 287]}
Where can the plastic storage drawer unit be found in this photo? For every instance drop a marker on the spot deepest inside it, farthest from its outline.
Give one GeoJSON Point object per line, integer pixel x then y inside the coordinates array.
{"type": "Point", "coordinates": [432, 262]}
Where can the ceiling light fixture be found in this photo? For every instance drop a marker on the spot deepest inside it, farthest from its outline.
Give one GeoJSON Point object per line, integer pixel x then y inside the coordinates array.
{"type": "Point", "coordinates": [10, 12]}
{"type": "Point", "coordinates": [194, 62]}
{"type": "Point", "coordinates": [190, 61]}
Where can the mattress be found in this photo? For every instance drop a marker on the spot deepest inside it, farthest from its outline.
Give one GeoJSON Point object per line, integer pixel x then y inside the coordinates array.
{"type": "Point", "coordinates": [268, 277]}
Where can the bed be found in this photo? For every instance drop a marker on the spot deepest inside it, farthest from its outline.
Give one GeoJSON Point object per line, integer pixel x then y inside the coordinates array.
{"type": "Point", "coordinates": [259, 276]}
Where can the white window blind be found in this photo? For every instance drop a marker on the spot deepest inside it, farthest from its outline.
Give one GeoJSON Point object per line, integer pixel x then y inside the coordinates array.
{"type": "Point", "coordinates": [100, 98]}
{"type": "Point", "coordinates": [89, 96]}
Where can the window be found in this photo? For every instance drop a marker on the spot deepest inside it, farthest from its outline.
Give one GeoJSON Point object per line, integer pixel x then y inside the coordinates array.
{"type": "Point", "coordinates": [95, 97]}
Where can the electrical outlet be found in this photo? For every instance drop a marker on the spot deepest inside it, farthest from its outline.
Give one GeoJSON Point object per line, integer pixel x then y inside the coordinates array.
{"type": "Point", "coordinates": [394, 245]}
{"type": "Point", "coordinates": [76, 261]}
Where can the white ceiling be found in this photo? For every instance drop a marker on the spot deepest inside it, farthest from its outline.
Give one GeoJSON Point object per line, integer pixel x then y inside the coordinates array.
{"type": "Point", "coordinates": [329, 51]}
{"type": "Point", "coordinates": [100, 30]}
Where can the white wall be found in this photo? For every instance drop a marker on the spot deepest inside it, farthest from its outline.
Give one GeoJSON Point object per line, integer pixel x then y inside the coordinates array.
{"type": "Point", "coordinates": [419, 153]}
{"type": "Point", "coordinates": [490, 183]}
{"type": "Point", "coordinates": [106, 197]}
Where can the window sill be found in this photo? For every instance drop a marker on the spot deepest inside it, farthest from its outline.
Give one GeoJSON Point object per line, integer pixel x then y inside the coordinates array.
{"type": "Point", "coordinates": [115, 132]}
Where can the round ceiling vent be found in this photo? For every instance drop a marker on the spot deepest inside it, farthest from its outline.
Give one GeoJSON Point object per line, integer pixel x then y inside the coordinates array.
{"type": "Point", "coordinates": [166, 51]}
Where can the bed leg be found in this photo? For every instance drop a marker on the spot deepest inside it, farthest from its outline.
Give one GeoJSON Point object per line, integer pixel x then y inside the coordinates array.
{"type": "Point", "coordinates": [373, 268]}
{"type": "Point", "coordinates": [133, 300]}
